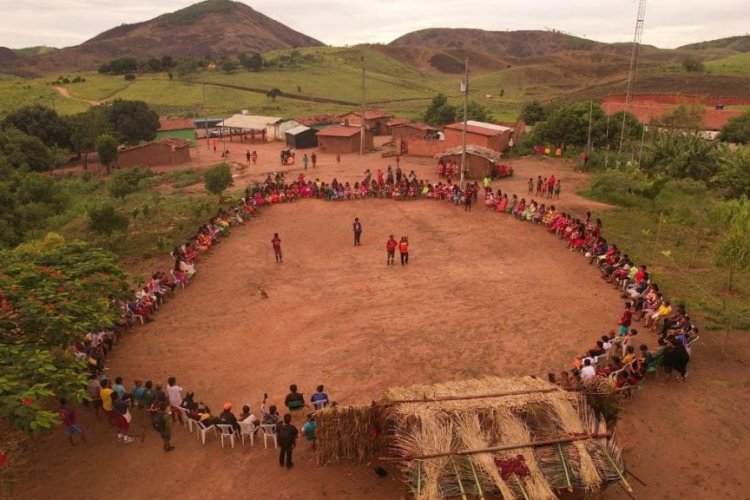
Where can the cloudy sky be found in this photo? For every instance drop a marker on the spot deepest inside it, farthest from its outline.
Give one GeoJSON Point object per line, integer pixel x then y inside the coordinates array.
{"type": "Point", "coordinates": [669, 23]}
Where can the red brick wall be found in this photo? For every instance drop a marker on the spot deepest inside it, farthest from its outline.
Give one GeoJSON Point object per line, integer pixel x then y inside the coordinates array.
{"type": "Point", "coordinates": [153, 154]}
{"type": "Point", "coordinates": [419, 146]}
{"type": "Point", "coordinates": [343, 145]}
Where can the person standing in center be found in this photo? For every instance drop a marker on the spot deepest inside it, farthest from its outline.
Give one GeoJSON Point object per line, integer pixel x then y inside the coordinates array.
{"type": "Point", "coordinates": [390, 247]}
{"type": "Point", "coordinates": [403, 248]}
{"type": "Point", "coordinates": [287, 437]}
{"type": "Point", "coordinates": [276, 242]}
{"type": "Point", "coordinates": [357, 227]}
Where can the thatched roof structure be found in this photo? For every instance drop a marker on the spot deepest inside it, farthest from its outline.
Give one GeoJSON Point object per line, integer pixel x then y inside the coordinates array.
{"type": "Point", "coordinates": [516, 437]}
{"type": "Point", "coordinates": [471, 149]}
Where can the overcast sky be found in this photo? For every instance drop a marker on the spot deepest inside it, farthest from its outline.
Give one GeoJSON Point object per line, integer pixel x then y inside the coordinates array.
{"type": "Point", "coordinates": [669, 23]}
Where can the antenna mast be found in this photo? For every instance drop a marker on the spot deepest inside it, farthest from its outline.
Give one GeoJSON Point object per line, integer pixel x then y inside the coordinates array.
{"type": "Point", "coordinates": [633, 73]}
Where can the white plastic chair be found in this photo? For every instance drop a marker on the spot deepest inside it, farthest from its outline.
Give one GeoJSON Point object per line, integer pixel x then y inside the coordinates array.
{"type": "Point", "coordinates": [319, 405]}
{"type": "Point", "coordinates": [201, 430]}
{"type": "Point", "coordinates": [248, 429]}
{"type": "Point", "coordinates": [269, 431]}
{"type": "Point", "coordinates": [187, 422]}
{"type": "Point", "coordinates": [133, 316]}
{"type": "Point", "coordinates": [227, 431]}
{"type": "Point", "coordinates": [179, 282]}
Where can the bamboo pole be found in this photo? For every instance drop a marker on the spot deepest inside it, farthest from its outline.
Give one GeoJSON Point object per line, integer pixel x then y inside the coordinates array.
{"type": "Point", "coordinates": [533, 444]}
{"type": "Point", "coordinates": [476, 396]}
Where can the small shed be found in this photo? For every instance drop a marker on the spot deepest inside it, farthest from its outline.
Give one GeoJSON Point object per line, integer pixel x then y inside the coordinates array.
{"type": "Point", "coordinates": [375, 120]}
{"type": "Point", "coordinates": [342, 140]}
{"type": "Point", "coordinates": [479, 161]}
{"type": "Point", "coordinates": [168, 151]}
{"type": "Point", "coordinates": [301, 137]}
{"type": "Point", "coordinates": [246, 123]}
{"type": "Point", "coordinates": [487, 135]}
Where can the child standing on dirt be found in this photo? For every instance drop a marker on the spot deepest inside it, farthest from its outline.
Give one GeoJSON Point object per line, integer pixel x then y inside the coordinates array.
{"type": "Point", "coordinates": [557, 189]}
{"type": "Point", "coordinates": [531, 185]}
{"type": "Point", "coordinates": [403, 249]}
{"type": "Point", "coordinates": [69, 420]}
{"type": "Point", "coordinates": [357, 227]}
{"type": "Point", "coordinates": [539, 186]}
{"type": "Point", "coordinates": [276, 243]}
{"type": "Point", "coordinates": [161, 424]}
{"type": "Point", "coordinates": [390, 247]}
{"type": "Point", "coordinates": [314, 159]}
{"type": "Point", "coordinates": [255, 157]}
{"type": "Point", "coordinates": [338, 158]}
{"type": "Point", "coordinates": [305, 160]}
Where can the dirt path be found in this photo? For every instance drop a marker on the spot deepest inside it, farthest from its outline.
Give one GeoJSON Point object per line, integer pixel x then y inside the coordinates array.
{"type": "Point", "coordinates": [63, 91]}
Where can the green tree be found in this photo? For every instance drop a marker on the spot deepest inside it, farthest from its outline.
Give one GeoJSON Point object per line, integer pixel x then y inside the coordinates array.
{"type": "Point", "coordinates": [122, 65]}
{"type": "Point", "coordinates": [476, 111]}
{"type": "Point", "coordinates": [106, 149]}
{"type": "Point", "coordinates": [439, 111]}
{"type": "Point", "coordinates": [126, 181]}
{"type": "Point", "coordinates": [273, 94]}
{"type": "Point", "coordinates": [228, 65]}
{"type": "Point", "coordinates": [737, 129]}
{"type": "Point", "coordinates": [568, 124]}
{"type": "Point", "coordinates": [85, 128]}
{"type": "Point", "coordinates": [532, 112]}
{"type": "Point", "coordinates": [186, 66]}
{"type": "Point", "coordinates": [24, 151]}
{"type": "Point", "coordinates": [166, 62]}
{"type": "Point", "coordinates": [132, 121]}
{"type": "Point", "coordinates": [733, 176]}
{"type": "Point", "coordinates": [105, 220]}
{"type": "Point", "coordinates": [733, 250]}
{"type": "Point", "coordinates": [153, 65]}
{"type": "Point", "coordinates": [52, 294]}
{"type": "Point", "coordinates": [693, 65]}
{"type": "Point", "coordinates": [676, 154]}
{"type": "Point", "coordinates": [218, 178]}
{"type": "Point", "coordinates": [42, 122]}
{"type": "Point", "coordinates": [685, 117]}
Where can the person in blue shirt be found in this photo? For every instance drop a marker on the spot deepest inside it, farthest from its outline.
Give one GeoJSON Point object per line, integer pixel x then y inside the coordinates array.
{"type": "Point", "coordinates": [319, 397]}
{"type": "Point", "coordinates": [309, 429]}
{"type": "Point", "coordinates": [118, 387]}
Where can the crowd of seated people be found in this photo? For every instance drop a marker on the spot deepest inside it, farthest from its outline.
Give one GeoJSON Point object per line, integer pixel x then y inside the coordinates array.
{"type": "Point", "coordinates": [619, 360]}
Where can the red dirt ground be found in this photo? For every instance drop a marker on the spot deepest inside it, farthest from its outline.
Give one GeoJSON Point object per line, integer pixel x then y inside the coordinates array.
{"type": "Point", "coordinates": [484, 294]}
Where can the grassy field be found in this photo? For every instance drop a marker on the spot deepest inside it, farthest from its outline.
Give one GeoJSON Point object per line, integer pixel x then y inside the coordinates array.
{"type": "Point", "coordinates": [734, 65]}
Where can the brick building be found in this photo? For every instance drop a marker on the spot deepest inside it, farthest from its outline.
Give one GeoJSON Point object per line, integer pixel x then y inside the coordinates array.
{"type": "Point", "coordinates": [168, 151]}
{"type": "Point", "coordinates": [375, 121]}
{"type": "Point", "coordinates": [486, 135]}
{"type": "Point", "coordinates": [342, 140]}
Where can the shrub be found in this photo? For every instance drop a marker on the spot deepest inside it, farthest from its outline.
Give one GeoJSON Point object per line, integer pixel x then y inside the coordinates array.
{"type": "Point", "coordinates": [218, 178]}
{"type": "Point", "coordinates": [105, 220]}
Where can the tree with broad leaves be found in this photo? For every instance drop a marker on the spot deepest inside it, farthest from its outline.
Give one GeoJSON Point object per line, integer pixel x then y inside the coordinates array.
{"type": "Point", "coordinates": [52, 294]}
{"type": "Point", "coordinates": [106, 148]}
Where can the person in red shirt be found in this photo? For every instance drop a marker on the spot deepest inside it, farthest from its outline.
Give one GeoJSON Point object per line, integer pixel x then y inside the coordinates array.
{"type": "Point", "coordinates": [69, 420]}
{"type": "Point", "coordinates": [403, 249]}
{"type": "Point", "coordinates": [276, 242]}
{"type": "Point", "coordinates": [314, 159]}
{"type": "Point", "coordinates": [625, 320]}
{"type": "Point", "coordinates": [390, 247]}
{"type": "Point", "coordinates": [255, 157]}
{"type": "Point", "coordinates": [641, 274]}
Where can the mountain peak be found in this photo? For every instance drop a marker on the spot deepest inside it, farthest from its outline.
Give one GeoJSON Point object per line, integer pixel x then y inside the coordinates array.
{"type": "Point", "coordinates": [195, 12]}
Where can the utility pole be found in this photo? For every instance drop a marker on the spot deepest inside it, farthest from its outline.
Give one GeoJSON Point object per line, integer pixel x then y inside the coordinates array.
{"type": "Point", "coordinates": [465, 90]}
{"type": "Point", "coordinates": [203, 89]}
{"type": "Point", "coordinates": [591, 115]}
{"type": "Point", "coordinates": [362, 130]}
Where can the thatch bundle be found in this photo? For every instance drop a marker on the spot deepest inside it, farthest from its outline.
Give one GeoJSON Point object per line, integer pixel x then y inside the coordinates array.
{"type": "Point", "coordinates": [517, 438]}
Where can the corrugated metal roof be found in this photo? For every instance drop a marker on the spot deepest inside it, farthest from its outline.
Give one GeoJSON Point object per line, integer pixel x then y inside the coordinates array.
{"type": "Point", "coordinates": [339, 132]}
{"type": "Point", "coordinates": [298, 130]}
{"type": "Point", "coordinates": [250, 122]}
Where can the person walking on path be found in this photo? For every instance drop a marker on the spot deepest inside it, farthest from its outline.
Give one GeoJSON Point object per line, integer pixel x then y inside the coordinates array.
{"type": "Point", "coordinates": [468, 196]}
{"type": "Point", "coordinates": [403, 248]}
{"type": "Point", "coordinates": [305, 160]}
{"type": "Point", "coordinates": [174, 393]}
{"type": "Point", "coordinates": [357, 227]}
{"type": "Point", "coordinates": [68, 418]}
{"type": "Point", "coordinates": [255, 157]}
{"type": "Point", "coordinates": [390, 247]}
{"type": "Point", "coordinates": [161, 423]}
{"type": "Point", "coordinates": [314, 159]}
{"type": "Point", "coordinates": [557, 189]}
{"type": "Point", "coordinates": [276, 242]}
{"type": "Point", "coordinates": [287, 437]}
{"type": "Point", "coordinates": [248, 156]}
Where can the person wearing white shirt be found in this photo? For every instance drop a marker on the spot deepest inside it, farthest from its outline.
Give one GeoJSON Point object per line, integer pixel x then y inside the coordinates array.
{"type": "Point", "coordinates": [174, 394]}
{"type": "Point", "coordinates": [588, 372]}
